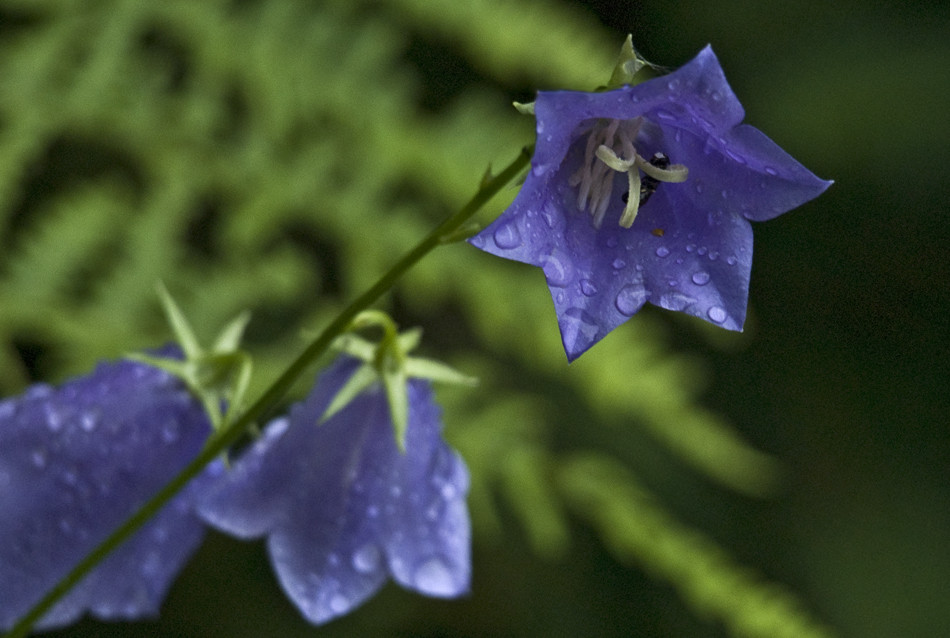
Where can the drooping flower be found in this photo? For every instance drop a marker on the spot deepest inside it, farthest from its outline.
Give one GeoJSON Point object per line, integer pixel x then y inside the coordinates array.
{"type": "Point", "coordinates": [341, 505]}
{"type": "Point", "coordinates": [75, 462]}
{"type": "Point", "coordinates": [644, 194]}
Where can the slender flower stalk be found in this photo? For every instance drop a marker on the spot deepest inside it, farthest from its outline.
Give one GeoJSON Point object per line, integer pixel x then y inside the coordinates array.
{"type": "Point", "coordinates": [233, 430]}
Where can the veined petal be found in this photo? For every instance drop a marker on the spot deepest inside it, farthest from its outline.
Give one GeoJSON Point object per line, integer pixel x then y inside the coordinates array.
{"type": "Point", "coordinates": [75, 462]}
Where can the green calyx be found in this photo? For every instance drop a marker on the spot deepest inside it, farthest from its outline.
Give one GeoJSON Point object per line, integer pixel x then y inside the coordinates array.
{"type": "Point", "coordinates": [388, 362]}
{"type": "Point", "coordinates": [628, 65]}
{"type": "Point", "coordinates": [218, 376]}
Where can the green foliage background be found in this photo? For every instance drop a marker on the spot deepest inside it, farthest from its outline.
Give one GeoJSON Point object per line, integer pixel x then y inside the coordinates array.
{"type": "Point", "coordinates": [278, 155]}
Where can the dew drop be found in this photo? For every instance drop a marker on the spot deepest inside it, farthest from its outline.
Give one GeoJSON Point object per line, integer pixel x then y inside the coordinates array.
{"type": "Point", "coordinates": [576, 324]}
{"type": "Point", "coordinates": [537, 170]}
{"type": "Point", "coordinates": [690, 247]}
{"type": "Point", "coordinates": [588, 289]}
{"type": "Point", "coordinates": [339, 603]}
{"type": "Point", "coordinates": [39, 458]}
{"type": "Point", "coordinates": [699, 187]}
{"type": "Point", "coordinates": [700, 278]}
{"type": "Point", "coordinates": [556, 271]}
{"type": "Point", "coordinates": [731, 261]}
{"type": "Point", "coordinates": [735, 156]}
{"type": "Point", "coordinates": [662, 251]}
{"type": "Point", "coordinates": [434, 578]}
{"type": "Point", "coordinates": [770, 170]}
{"type": "Point", "coordinates": [716, 314]}
{"type": "Point", "coordinates": [560, 297]}
{"type": "Point", "coordinates": [713, 255]}
{"type": "Point", "coordinates": [676, 301]}
{"type": "Point", "coordinates": [507, 237]}
{"type": "Point", "coordinates": [702, 250]}
{"type": "Point", "coordinates": [618, 264]}
{"type": "Point", "coordinates": [54, 420]}
{"type": "Point", "coordinates": [630, 299]}
{"type": "Point", "coordinates": [663, 114]}
{"type": "Point", "coordinates": [449, 491]}
{"type": "Point", "coordinates": [88, 421]}
{"type": "Point", "coordinates": [170, 432]}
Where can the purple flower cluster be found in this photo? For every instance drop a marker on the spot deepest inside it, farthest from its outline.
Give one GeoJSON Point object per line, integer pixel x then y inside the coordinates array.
{"type": "Point", "coordinates": [342, 506]}
{"type": "Point", "coordinates": [673, 228]}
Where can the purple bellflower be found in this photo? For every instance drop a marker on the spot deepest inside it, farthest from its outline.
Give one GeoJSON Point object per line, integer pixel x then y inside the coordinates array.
{"type": "Point", "coordinates": [75, 462]}
{"type": "Point", "coordinates": [341, 505]}
{"type": "Point", "coordinates": [673, 228]}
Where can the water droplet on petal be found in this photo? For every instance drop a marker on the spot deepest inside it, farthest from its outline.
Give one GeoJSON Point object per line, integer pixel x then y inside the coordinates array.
{"type": "Point", "coordinates": [339, 603]}
{"type": "Point", "coordinates": [700, 278]}
{"type": "Point", "coordinates": [366, 559]}
{"type": "Point", "coordinates": [588, 289]}
{"type": "Point", "coordinates": [39, 458]}
{"type": "Point", "coordinates": [88, 421]}
{"type": "Point", "coordinates": [630, 299]}
{"type": "Point", "coordinates": [537, 170]}
{"type": "Point", "coordinates": [690, 247]}
{"type": "Point", "coordinates": [577, 324]}
{"type": "Point", "coordinates": [557, 271]}
{"type": "Point", "coordinates": [716, 314]}
{"type": "Point", "coordinates": [663, 114]}
{"type": "Point", "coordinates": [713, 255]}
{"type": "Point", "coordinates": [449, 491]}
{"type": "Point", "coordinates": [434, 578]}
{"type": "Point", "coordinates": [170, 432]}
{"type": "Point", "coordinates": [735, 156]}
{"type": "Point", "coordinates": [507, 237]}
{"type": "Point", "coordinates": [676, 301]}
{"type": "Point", "coordinates": [702, 250]}
{"type": "Point", "coordinates": [699, 187]}
{"type": "Point", "coordinates": [618, 264]}
{"type": "Point", "coordinates": [662, 251]}
{"type": "Point", "coordinates": [770, 170]}
{"type": "Point", "coordinates": [731, 261]}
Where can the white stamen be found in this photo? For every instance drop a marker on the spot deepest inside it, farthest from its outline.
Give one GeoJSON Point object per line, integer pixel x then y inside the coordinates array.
{"type": "Point", "coordinates": [610, 149]}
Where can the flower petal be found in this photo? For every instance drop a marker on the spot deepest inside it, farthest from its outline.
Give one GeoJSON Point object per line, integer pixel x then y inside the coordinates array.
{"type": "Point", "coordinates": [75, 462]}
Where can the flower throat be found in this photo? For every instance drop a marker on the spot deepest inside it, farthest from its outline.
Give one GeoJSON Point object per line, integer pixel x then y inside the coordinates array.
{"type": "Point", "coordinates": [610, 148]}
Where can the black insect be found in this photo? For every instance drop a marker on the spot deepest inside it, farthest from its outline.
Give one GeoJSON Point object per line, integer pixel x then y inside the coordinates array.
{"type": "Point", "coordinates": [648, 184]}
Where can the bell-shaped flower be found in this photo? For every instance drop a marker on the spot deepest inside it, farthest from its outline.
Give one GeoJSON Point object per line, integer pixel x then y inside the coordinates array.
{"type": "Point", "coordinates": [75, 462]}
{"type": "Point", "coordinates": [644, 194]}
{"type": "Point", "coordinates": [343, 505]}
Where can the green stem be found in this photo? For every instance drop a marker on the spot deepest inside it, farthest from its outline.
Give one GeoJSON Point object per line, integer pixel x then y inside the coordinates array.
{"type": "Point", "coordinates": [227, 437]}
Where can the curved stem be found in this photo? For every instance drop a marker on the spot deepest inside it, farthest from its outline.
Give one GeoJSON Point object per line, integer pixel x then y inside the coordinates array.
{"type": "Point", "coordinates": [228, 436]}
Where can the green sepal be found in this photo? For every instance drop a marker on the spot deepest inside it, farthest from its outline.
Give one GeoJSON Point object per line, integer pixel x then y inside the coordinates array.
{"type": "Point", "coordinates": [437, 371]}
{"type": "Point", "coordinates": [364, 377]}
{"type": "Point", "coordinates": [389, 363]}
{"type": "Point", "coordinates": [524, 109]}
{"type": "Point", "coordinates": [628, 65]}
{"type": "Point", "coordinates": [215, 377]}
{"type": "Point", "coordinates": [395, 381]}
